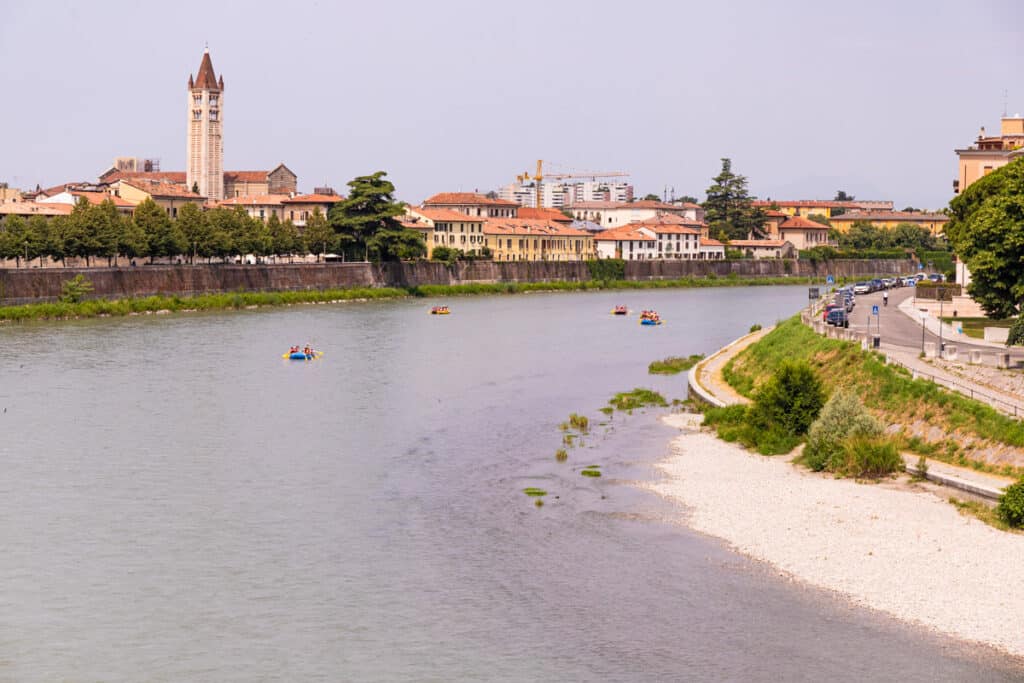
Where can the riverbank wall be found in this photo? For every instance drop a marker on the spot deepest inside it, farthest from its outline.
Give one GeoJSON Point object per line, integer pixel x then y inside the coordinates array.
{"type": "Point", "coordinates": [20, 286]}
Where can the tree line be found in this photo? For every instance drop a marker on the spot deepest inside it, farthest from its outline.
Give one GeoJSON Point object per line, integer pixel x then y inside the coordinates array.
{"type": "Point", "coordinates": [363, 226]}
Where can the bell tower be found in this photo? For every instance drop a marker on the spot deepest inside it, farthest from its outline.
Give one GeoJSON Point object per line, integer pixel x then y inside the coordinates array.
{"type": "Point", "coordinates": [205, 153]}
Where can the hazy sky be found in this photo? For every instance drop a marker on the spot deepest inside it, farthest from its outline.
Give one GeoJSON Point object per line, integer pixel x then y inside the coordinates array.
{"type": "Point", "coordinates": [805, 97]}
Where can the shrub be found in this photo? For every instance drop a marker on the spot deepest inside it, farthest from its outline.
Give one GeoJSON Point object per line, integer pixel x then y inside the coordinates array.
{"type": "Point", "coordinates": [674, 364]}
{"type": "Point", "coordinates": [561, 455]}
{"type": "Point", "coordinates": [74, 290]}
{"type": "Point", "coordinates": [755, 327]}
{"type": "Point", "coordinates": [790, 400]}
{"type": "Point", "coordinates": [867, 456]}
{"type": "Point", "coordinates": [638, 398]}
{"type": "Point", "coordinates": [580, 422]}
{"type": "Point", "coordinates": [1016, 333]}
{"type": "Point", "coordinates": [842, 418]}
{"type": "Point", "coordinates": [1011, 505]}
{"type": "Point", "coordinates": [733, 424]}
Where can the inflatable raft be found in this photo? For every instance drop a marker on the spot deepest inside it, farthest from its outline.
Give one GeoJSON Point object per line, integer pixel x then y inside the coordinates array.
{"type": "Point", "coordinates": [651, 321]}
{"type": "Point", "coordinates": [299, 355]}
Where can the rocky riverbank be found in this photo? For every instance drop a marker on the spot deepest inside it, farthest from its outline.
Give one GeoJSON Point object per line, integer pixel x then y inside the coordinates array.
{"type": "Point", "coordinates": [891, 547]}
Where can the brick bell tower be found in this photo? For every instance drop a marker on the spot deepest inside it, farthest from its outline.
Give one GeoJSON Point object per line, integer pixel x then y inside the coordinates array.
{"type": "Point", "coordinates": [205, 140]}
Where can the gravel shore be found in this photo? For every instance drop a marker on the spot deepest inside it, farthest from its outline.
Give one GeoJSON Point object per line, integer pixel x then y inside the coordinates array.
{"type": "Point", "coordinates": [904, 552]}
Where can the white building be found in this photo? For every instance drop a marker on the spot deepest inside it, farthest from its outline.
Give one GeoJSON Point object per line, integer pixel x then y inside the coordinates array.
{"type": "Point", "coordinates": [616, 214]}
{"type": "Point", "coordinates": [646, 241]}
{"type": "Point", "coordinates": [559, 195]}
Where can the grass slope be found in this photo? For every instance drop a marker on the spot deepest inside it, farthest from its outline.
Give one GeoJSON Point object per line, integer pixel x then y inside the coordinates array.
{"type": "Point", "coordinates": [934, 422]}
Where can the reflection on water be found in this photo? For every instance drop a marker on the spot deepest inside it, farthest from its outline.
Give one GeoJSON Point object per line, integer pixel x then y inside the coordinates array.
{"type": "Point", "coordinates": [179, 503]}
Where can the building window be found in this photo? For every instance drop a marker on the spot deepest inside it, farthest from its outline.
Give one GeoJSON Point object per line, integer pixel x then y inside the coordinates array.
{"type": "Point", "coordinates": [196, 115]}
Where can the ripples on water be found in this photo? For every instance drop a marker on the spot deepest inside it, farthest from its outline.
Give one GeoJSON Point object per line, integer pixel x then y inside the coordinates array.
{"type": "Point", "coordinates": [177, 503]}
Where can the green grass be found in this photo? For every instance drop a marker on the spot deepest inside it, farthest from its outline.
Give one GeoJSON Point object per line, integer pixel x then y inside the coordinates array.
{"type": "Point", "coordinates": [591, 471]}
{"type": "Point", "coordinates": [638, 398]}
{"type": "Point", "coordinates": [534, 491]}
{"type": "Point", "coordinates": [674, 364]}
{"type": "Point", "coordinates": [233, 300]}
{"type": "Point", "coordinates": [889, 392]}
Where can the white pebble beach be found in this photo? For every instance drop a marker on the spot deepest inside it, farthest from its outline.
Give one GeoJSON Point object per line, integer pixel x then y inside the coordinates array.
{"type": "Point", "coordinates": [901, 551]}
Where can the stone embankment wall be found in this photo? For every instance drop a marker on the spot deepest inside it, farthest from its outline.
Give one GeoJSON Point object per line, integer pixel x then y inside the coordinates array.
{"type": "Point", "coordinates": [44, 284]}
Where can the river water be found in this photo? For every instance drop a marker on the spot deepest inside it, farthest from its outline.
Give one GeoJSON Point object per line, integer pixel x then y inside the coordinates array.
{"type": "Point", "coordinates": [179, 503]}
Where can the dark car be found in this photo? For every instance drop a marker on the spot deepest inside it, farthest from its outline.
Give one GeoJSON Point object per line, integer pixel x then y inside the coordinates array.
{"type": "Point", "coordinates": [837, 317]}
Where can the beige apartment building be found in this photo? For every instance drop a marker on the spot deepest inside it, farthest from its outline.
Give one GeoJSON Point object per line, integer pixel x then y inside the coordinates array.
{"type": "Point", "coordinates": [446, 228]}
{"type": "Point", "coordinates": [472, 204]}
{"type": "Point", "coordinates": [989, 152]}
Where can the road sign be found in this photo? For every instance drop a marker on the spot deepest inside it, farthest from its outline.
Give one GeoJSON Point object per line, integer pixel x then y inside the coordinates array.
{"type": "Point", "coordinates": [812, 293]}
{"type": "Point", "coordinates": [874, 310]}
{"type": "Point", "coordinates": [920, 266]}
{"type": "Point", "coordinates": [829, 280]}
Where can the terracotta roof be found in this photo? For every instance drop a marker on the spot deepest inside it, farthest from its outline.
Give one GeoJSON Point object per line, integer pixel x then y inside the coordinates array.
{"type": "Point", "coordinates": [546, 214]}
{"type": "Point", "coordinates": [33, 209]}
{"type": "Point", "coordinates": [247, 176]}
{"type": "Point", "coordinates": [161, 188]}
{"type": "Point", "coordinates": [57, 189]}
{"type": "Point", "coordinates": [99, 197]}
{"type": "Point", "coordinates": [466, 199]}
{"type": "Point", "coordinates": [255, 200]}
{"type": "Point", "coordinates": [313, 199]}
{"type": "Point", "coordinates": [624, 233]}
{"type": "Point", "coordinates": [658, 228]}
{"type": "Point", "coordinates": [206, 79]}
{"type": "Point", "coordinates": [798, 223]}
{"type": "Point", "coordinates": [772, 213]}
{"type": "Point", "coordinates": [688, 205]}
{"type": "Point", "coordinates": [671, 219]}
{"type": "Point", "coordinates": [757, 243]}
{"type": "Point", "coordinates": [708, 242]}
{"type": "Point", "coordinates": [906, 216]}
{"type": "Point", "coordinates": [531, 227]}
{"type": "Point", "coordinates": [444, 215]}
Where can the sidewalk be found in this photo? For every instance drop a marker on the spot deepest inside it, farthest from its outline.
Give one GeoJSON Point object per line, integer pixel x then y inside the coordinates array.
{"type": "Point", "coordinates": [949, 333]}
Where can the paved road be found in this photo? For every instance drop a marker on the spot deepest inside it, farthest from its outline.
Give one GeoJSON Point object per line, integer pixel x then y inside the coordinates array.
{"type": "Point", "coordinates": [898, 329]}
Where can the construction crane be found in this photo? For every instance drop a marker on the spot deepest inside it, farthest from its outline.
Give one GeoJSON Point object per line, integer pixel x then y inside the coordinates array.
{"type": "Point", "coordinates": [540, 176]}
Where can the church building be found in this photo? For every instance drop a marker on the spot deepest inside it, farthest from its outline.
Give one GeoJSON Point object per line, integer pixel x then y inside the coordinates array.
{"type": "Point", "coordinates": [205, 154]}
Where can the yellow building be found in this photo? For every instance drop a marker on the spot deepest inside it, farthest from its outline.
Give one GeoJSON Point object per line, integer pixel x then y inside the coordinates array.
{"type": "Point", "coordinates": [524, 239]}
{"type": "Point", "coordinates": [446, 228]}
{"type": "Point", "coordinates": [168, 196]}
{"type": "Point", "coordinates": [935, 223]}
{"type": "Point", "coordinates": [989, 153]}
{"type": "Point", "coordinates": [821, 207]}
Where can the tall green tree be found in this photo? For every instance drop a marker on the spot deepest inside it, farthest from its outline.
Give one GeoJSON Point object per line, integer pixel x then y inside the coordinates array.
{"type": "Point", "coordinates": [841, 196]}
{"type": "Point", "coordinates": [282, 236]}
{"type": "Point", "coordinates": [369, 209]}
{"type": "Point", "coordinates": [729, 207]}
{"type": "Point", "coordinates": [14, 240]}
{"type": "Point", "coordinates": [194, 229]}
{"type": "Point", "coordinates": [986, 230]}
{"type": "Point", "coordinates": [37, 235]}
{"type": "Point", "coordinates": [163, 239]}
{"type": "Point", "coordinates": [132, 242]}
{"type": "Point", "coordinates": [318, 236]}
{"type": "Point", "coordinates": [79, 234]}
{"type": "Point", "coordinates": [107, 226]}
{"type": "Point", "coordinates": [57, 240]}
{"type": "Point", "coordinates": [651, 197]}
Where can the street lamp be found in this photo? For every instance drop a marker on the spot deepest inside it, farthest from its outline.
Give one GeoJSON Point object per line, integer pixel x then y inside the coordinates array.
{"type": "Point", "coordinates": [923, 316]}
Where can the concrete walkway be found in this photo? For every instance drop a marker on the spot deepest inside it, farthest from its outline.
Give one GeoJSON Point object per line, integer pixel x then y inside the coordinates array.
{"type": "Point", "coordinates": [707, 383]}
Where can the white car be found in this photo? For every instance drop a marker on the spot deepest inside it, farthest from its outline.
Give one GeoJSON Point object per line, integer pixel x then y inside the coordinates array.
{"type": "Point", "coordinates": [862, 288]}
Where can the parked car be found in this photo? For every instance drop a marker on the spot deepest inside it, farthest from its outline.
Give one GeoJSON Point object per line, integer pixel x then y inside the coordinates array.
{"type": "Point", "coordinates": [909, 281]}
{"type": "Point", "coordinates": [876, 285]}
{"type": "Point", "coordinates": [862, 288]}
{"type": "Point", "coordinates": [838, 317]}
{"type": "Point", "coordinates": [936, 277]}
{"type": "Point", "coordinates": [829, 308]}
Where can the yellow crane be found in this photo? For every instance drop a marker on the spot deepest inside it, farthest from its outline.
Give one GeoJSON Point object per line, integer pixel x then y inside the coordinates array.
{"type": "Point", "coordinates": [540, 176]}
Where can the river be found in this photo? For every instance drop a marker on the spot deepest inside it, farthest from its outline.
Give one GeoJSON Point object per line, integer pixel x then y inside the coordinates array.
{"type": "Point", "coordinates": [179, 503]}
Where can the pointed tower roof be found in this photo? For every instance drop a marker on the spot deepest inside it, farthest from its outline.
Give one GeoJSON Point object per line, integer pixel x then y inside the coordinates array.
{"type": "Point", "coordinates": [206, 79]}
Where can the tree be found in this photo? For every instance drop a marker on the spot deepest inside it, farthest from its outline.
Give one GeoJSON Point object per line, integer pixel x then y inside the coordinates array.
{"type": "Point", "coordinates": [37, 234]}
{"type": "Point", "coordinates": [106, 224]}
{"type": "Point", "coordinates": [132, 242]}
{"type": "Point", "coordinates": [55, 239]}
{"type": "Point", "coordinates": [319, 236]}
{"type": "Point", "coordinates": [910, 236]}
{"type": "Point", "coordinates": [791, 399]}
{"type": "Point", "coordinates": [395, 245]}
{"type": "Point", "coordinates": [841, 196]}
{"type": "Point", "coordinates": [819, 218]}
{"type": "Point", "coordinates": [163, 238]}
{"type": "Point", "coordinates": [687, 199]}
{"type": "Point", "coordinates": [369, 209]}
{"type": "Point", "coordinates": [986, 230]}
{"type": "Point", "coordinates": [194, 229]}
{"type": "Point", "coordinates": [651, 197]}
{"type": "Point", "coordinates": [283, 236]}
{"type": "Point", "coordinates": [729, 207]}
{"type": "Point", "coordinates": [13, 240]}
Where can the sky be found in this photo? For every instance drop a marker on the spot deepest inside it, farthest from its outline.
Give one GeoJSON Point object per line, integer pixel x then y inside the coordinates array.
{"type": "Point", "coordinates": [806, 98]}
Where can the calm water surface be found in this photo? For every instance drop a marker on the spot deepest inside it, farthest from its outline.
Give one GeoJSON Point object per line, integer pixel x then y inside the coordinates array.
{"type": "Point", "coordinates": [178, 503]}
